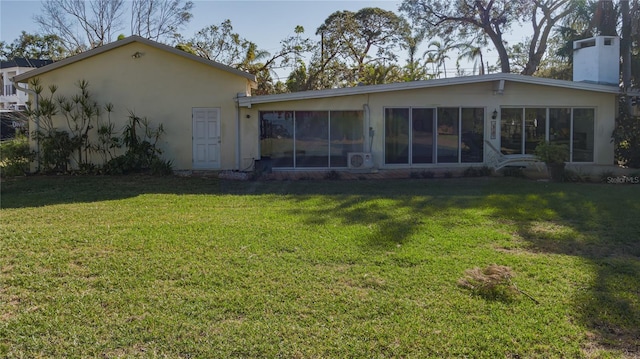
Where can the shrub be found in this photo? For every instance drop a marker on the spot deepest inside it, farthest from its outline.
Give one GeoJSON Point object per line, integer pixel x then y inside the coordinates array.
{"type": "Point", "coordinates": [59, 149]}
{"type": "Point", "coordinates": [160, 167]}
{"type": "Point", "coordinates": [428, 174]}
{"type": "Point", "coordinates": [626, 137]}
{"type": "Point", "coordinates": [422, 174]}
{"type": "Point", "coordinates": [56, 148]}
{"type": "Point", "coordinates": [15, 156]}
{"type": "Point", "coordinates": [332, 175]}
{"type": "Point", "coordinates": [142, 153]}
{"type": "Point", "coordinates": [576, 176]}
{"type": "Point", "coordinates": [552, 153]}
{"type": "Point", "coordinates": [483, 171]}
{"type": "Point", "coordinates": [513, 172]}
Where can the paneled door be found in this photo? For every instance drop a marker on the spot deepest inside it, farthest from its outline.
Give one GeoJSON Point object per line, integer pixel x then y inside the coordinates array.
{"type": "Point", "coordinates": [206, 138]}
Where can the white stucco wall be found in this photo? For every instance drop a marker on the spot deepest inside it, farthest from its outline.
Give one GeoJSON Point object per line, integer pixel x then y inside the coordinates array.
{"type": "Point", "coordinates": [483, 95]}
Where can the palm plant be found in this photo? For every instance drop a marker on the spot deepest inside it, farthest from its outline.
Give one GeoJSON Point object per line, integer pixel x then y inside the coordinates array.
{"type": "Point", "coordinates": [439, 54]}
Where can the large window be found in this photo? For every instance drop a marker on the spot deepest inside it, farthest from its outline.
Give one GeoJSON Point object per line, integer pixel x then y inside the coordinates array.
{"type": "Point", "coordinates": [346, 135]}
{"type": "Point", "coordinates": [310, 139]}
{"type": "Point", "coordinates": [448, 134]}
{"type": "Point", "coordinates": [472, 135]}
{"type": "Point", "coordinates": [422, 135]}
{"type": "Point", "coordinates": [428, 135]}
{"type": "Point", "coordinates": [396, 140]}
{"type": "Point", "coordinates": [276, 137]}
{"type": "Point", "coordinates": [522, 129]}
{"type": "Point", "coordinates": [582, 142]}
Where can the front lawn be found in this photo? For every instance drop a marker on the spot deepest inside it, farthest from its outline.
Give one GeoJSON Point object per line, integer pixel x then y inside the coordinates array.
{"type": "Point", "coordinates": [198, 268]}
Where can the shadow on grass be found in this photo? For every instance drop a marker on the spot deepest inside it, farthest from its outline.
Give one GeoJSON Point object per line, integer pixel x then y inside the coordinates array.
{"type": "Point", "coordinates": [599, 223]}
{"type": "Point", "coordinates": [601, 227]}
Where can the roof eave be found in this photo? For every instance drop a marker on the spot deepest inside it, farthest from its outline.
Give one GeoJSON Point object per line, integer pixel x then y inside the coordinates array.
{"type": "Point", "coordinates": [98, 50]}
{"type": "Point", "coordinates": [304, 95]}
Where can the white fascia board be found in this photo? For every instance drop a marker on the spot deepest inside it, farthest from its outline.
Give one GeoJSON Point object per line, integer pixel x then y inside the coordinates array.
{"type": "Point", "coordinates": [347, 91]}
{"type": "Point", "coordinates": [110, 46]}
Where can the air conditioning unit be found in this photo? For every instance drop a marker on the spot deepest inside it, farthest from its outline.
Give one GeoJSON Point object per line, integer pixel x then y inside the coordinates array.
{"type": "Point", "coordinates": [360, 160]}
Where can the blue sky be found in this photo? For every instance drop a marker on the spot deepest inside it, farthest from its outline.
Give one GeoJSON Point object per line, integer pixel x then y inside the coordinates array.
{"type": "Point", "coordinates": [265, 22]}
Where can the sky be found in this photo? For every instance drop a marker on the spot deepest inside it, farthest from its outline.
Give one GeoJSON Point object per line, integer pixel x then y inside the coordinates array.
{"type": "Point", "coordinates": [265, 22]}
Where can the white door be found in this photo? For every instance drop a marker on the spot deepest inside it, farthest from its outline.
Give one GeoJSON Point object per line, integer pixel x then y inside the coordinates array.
{"type": "Point", "coordinates": [206, 138]}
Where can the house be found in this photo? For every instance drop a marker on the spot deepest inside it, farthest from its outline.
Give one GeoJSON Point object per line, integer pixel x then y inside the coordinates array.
{"type": "Point", "coordinates": [212, 122]}
{"type": "Point", "coordinates": [10, 97]}
{"type": "Point", "coordinates": [453, 122]}
{"type": "Point", "coordinates": [193, 98]}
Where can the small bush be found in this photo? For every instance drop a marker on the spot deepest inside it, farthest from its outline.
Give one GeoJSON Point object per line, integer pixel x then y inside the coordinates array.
{"type": "Point", "coordinates": [626, 137]}
{"type": "Point", "coordinates": [574, 176]}
{"type": "Point", "coordinates": [483, 171]}
{"type": "Point", "coordinates": [513, 172]}
{"type": "Point", "coordinates": [332, 175]}
{"type": "Point", "coordinates": [56, 148]}
{"type": "Point", "coordinates": [15, 157]}
{"type": "Point", "coordinates": [160, 167]}
{"type": "Point", "coordinates": [428, 174]}
{"type": "Point", "coordinates": [606, 175]}
{"type": "Point", "coordinates": [422, 174]}
{"type": "Point", "coordinates": [142, 153]}
{"type": "Point", "coordinates": [448, 174]}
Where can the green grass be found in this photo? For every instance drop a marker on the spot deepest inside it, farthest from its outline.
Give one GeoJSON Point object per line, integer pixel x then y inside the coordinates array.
{"type": "Point", "coordinates": [194, 268]}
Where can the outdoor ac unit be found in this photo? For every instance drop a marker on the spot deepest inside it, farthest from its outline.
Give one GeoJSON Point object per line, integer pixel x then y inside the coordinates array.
{"type": "Point", "coordinates": [360, 160]}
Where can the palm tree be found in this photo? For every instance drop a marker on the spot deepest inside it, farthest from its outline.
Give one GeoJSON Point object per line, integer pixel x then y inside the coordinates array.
{"type": "Point", "coordinates": [439, 54]}
{"type": "Point", "coordinates": [414, 70]}
{"type": "Point", "coordinates": [473, 54]}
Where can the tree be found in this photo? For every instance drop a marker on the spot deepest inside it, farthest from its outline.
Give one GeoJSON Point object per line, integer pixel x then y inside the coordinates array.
{"type": "Point", "coordinates": [221, 44]}
{"type": "Point", "coordinates": [216, 43]}
{"type": "Point", "coordinates": [159, 19]}
{"type": "Point", "coordinates": [414, 70]}
{"type": "Point", "coordinates": [438, 55]}
{"type": "Point", "coordinates": [580, 24]}
{"type": "Point", "coordinates": [34, 46]}
{"type": "Point", "coordinates": [461, 20]}
{"type": "Point", "coordinates": [474, 54]}
{"type": "Point", "coordinates": [377, 74]}
{"type": "Point", "coordinates": [82, 25]}
{"type": "Point", "coordinates": [548, 13]}
{"type": "Point", "coordinates": [368, 36]}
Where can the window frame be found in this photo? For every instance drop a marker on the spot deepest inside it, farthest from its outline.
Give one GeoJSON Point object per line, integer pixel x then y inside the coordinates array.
{"type": "Point", "coordinates": [547, 136]}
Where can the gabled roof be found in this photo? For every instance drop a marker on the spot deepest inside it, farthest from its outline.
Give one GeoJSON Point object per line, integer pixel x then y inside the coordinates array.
{"type": "Point", "coordinates": [24, 62]}
{"type": "Point", "coordinates": [123, 42]}
{"type": "Point", "coordinates": [499, 78]}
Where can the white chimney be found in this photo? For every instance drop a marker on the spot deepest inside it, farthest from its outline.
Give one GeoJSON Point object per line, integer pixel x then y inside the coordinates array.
{"type": "Point", "coordinates": [597, 60]}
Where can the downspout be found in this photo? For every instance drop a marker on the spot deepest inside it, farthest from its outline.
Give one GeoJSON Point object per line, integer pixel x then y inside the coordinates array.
{"type": "Point", "coordinates": [367, 120]}
{"type": "Point", "coordinates": [37, 117]}
{"type": "Point", "coordinates": [238, 130]}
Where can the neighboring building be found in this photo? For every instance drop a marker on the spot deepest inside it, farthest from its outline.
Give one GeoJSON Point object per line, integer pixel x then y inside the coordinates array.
{"type": "Point", "coordinates": [10, 97]}
{"type": "Point", "coordinates": [213, 123]}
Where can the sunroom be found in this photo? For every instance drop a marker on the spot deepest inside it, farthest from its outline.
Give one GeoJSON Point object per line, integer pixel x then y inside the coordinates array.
{"type": "Point", "coordinates": [444, 123]}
